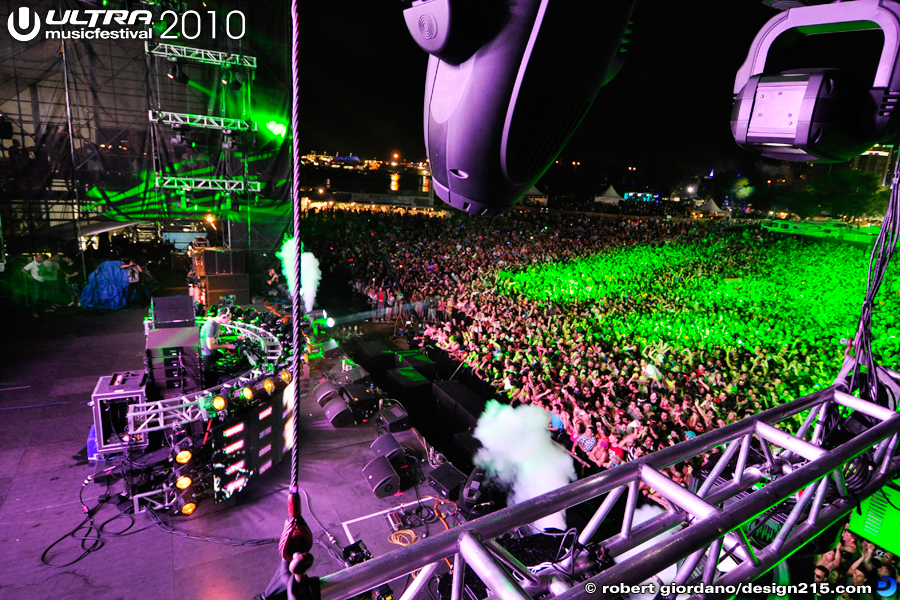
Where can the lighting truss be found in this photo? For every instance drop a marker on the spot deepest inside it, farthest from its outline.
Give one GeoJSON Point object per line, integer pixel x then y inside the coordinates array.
{"type": "Point", "coordinates": [218, 184]}
{"type": "Point", "coordinates": [159, 499]}
{"type": "Point", "coordinates": [202, 121]}
{"type": "Point", "coordinates": [710, 524]}
{"type": "Point", "coordinates": [199, 55]}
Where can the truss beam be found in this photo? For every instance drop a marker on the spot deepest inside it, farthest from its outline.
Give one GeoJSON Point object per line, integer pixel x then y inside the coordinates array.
{"type": "Point", "coordinates": [201, 56]}
{"type": "Point", "coordinates": [705, 521]}
{"type": "Point", "coordinates": [201, 121]}
{"type": "Point", "coordinates": [218, 184]}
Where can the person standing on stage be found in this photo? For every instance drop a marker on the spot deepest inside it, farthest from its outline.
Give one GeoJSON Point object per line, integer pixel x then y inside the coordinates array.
{"type": "Point", "coordinates": [72, 278]}
{"type": "Point", "coordinates": [36, 282]}
{"type": "Point", "coordinates": [210, 344]}
{"type": "Point", "coordinates": [134, 281]}
{"type": "Point", "coordinates": [50, 271]}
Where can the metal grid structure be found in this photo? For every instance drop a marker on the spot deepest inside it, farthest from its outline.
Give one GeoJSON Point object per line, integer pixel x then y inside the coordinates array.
{"type": "Point", "coordinates": [200, 125]}
{"type": "Point", "coordinates": [201, 56]}
{"type": "Point", "coordinates": [207, 184]}
{"type": "Point", "coordinates": [207, 122]}
{"type": "Point", "coordinates": [68, 138]}
{"type": "Point", "coordinates": [791, 464]}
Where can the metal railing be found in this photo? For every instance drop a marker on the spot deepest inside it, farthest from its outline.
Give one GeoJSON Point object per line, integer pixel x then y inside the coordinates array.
{"type": "Point", "coordinates": [790, 464]}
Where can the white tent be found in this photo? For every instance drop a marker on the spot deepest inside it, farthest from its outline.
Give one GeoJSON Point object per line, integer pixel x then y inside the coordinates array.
{"type": "Point", "coordinates": [610, 196]}
{"type": "Point", "coordinates": [534, 196]}
{"type": "Point", "coordinates": [712, 208]}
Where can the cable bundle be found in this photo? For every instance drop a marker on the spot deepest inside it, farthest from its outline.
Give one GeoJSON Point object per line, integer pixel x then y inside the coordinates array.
{"type": "Point", "coordinates": [882, 252]}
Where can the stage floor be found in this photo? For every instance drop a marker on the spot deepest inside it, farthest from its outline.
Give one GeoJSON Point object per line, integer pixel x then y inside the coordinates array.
{"type": "Point", "coordinates": [49, 368]}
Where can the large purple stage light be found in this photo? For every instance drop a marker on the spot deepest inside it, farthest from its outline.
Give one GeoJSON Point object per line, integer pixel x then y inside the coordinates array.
{"type": "Point", "coordinates": [818, 114]}
{"type": "Point", "coordinates": [507, 85]}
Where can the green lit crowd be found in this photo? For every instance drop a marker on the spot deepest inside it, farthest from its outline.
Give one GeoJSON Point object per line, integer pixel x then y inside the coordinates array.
{"type": "Point", "coordinates": [633, 334]}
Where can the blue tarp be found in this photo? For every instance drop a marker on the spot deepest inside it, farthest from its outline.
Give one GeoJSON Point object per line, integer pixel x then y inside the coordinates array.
{"type": "Point", "coordinates": [106, 287]}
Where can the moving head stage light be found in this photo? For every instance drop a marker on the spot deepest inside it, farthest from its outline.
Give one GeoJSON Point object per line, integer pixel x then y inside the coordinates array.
{"type": "Point", "coordinates": [818, 114]}
{"type": "Point", "coordinates": [507, 85]}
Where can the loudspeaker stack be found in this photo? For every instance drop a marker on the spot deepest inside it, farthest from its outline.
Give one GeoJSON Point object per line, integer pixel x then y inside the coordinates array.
{"type": "Point", "coordinates": [173, 360]}
{"type": "Point", "coordinates": [389, 471]}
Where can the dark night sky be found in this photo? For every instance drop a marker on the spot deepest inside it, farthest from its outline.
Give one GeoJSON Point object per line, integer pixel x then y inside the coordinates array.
{"type": "Point", "coordinates": [363, 80]}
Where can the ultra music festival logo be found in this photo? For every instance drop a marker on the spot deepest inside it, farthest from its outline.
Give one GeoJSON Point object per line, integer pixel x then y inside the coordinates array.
{"type": "Point", "coordinates": [25, 24]}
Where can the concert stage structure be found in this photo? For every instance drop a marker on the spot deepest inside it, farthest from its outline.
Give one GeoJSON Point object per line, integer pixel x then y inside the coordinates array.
{"type": "Point", "coordinates": [225, 549]}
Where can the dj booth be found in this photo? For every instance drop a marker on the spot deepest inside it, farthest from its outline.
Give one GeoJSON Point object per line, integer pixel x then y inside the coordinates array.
{"type": "Point", "coordinates": [174, 443]}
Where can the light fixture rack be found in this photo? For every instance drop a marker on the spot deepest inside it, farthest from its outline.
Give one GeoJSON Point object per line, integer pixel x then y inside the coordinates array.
{"type": "Point", "coordinates": [218, 184]}
{"type": "Point", "coordinates": [202, 121]}
{"type": "Point", "coordinates": [199, 55]}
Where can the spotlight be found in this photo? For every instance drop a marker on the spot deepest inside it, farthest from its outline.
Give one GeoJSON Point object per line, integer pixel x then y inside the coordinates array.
{"type": "Point", "coordinates": [229, 142]}
{"type": "Point", "coordinates": [231, 82]}
{"type": "Point", "coordinates": [286, 376]}
{"type": "Point", "coordinates": [183, 482]}
{"type": "Point", "coordinates": [816, 114]}
{"type": "Point", "coordinates": [176, 74]}
{"type": "Point", "coordinates": [246, 393]}
{"type": "Point", "coordinates": [219, 403]}
{"type": "Point", "coordinates": [327, 322]}
{"type": "Point", "coordinates": [186, 503]}
{"type": "Point", "coordinates": [183, 457]}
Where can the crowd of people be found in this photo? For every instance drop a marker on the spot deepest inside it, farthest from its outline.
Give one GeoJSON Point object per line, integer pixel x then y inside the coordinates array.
{"type": "Point", "coordinates": [633, 334]}
{"type": "Point", "coordinates": [53, 280]}
{"type": "Point", "coordinates": [856, 562]}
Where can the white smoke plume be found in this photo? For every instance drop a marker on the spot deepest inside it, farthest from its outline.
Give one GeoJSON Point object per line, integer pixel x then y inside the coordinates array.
{"type": "Point", "coordinates": [310, 275]}
{"type": "Point", "coordinates": [518, 452]}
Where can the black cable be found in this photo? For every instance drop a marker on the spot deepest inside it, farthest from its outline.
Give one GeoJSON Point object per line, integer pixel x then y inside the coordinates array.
{"type": "Point", "coordinates": [124, 532]}
{"type": "Point", "coordinates": [882, 251]}
{"type": "Point", "coordinates": [205, 538]}
{"type": "Point", "coordinates": [90, 542]}
{"type": "Point", "coordinates": [334, 555]}
{"type": "Point", "coordinates": [888, 500]}
{"type": "Point", "coordinates": [428, 586]}
{"type": "Point", "coordinates": [570, 533]}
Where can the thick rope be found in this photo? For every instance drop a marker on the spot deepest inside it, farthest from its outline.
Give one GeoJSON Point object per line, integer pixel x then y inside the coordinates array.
{"type": "Point", "coordinates": [295, 198]}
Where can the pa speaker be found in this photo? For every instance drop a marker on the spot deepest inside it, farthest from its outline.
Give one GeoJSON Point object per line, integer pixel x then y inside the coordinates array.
{"type": "Point", "coordinates": [383, 480]}
{"type": "Point", "coordinates": [357, 376]}
{"type": "Point", "coordinates": [325, 392]}
{"type": "Point", "coordinates": [387, 445]}
{"type": "Point", "coordinates": [338, 413]}
{"type": "Point", "coordinates": [394, 417]}
{"type": "Point", "coordinates": [447, 480]}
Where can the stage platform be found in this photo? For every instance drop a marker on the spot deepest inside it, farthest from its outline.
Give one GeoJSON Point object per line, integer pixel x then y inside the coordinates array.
{"type": "Point", "coordinates": [49, 368]}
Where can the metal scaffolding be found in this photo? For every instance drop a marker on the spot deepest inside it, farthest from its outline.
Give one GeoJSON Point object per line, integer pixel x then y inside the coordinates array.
{"type": "Point", "coordinates": [710, 524]}
{"type": "Point", "coordinates": [204, 121]}
{"type": "Point", "coordinates": [201, 56]}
